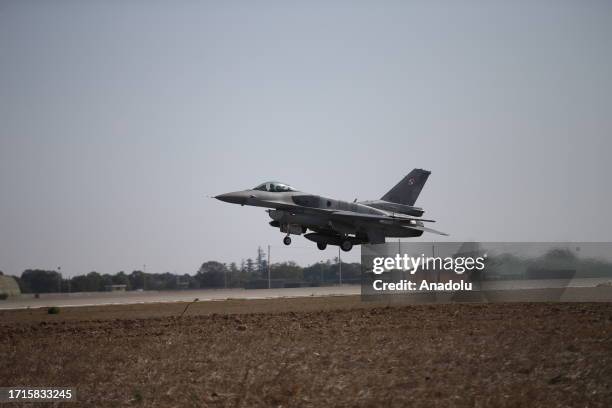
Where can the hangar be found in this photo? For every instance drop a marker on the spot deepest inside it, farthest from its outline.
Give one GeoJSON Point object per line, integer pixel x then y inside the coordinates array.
{"type": "Point", "coordinates": [8, 287]}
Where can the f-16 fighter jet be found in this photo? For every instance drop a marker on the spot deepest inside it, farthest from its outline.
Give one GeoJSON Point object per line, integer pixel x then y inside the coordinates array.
{"type": "Point", "coordinates": [335, 222]}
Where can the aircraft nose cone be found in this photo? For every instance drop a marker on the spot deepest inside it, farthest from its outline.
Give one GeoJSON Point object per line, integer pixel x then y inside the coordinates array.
{"type": "Point", "coordinates": [233, 198]}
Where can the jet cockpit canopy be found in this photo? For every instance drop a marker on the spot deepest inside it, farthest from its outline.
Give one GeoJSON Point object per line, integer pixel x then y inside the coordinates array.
{"type": "Point", "coordinates": [274, 187]}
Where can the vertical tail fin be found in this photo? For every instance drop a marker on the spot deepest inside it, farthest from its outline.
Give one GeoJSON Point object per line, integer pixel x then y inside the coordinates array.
{"type": "Point", "coordinates": [407, 191]}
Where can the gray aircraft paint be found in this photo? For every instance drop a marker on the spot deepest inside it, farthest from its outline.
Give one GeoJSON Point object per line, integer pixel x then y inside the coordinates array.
{"type": "Point", "coordinates": [338, 222]}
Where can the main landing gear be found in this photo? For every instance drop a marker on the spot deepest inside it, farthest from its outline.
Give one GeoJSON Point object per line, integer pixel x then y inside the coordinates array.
{"type": "Point", "coordinates": [346, 245]}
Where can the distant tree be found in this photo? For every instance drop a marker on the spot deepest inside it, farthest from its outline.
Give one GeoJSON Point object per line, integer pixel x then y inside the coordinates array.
{"type": "Point", "coordinates": [234, 279]}
{"type": "Point", "coordinates": [40, 281]}
{"type": "Point", "coordinates": [86, 283]}
{"type": "Point", "coordinates": [66, 284]}
{"type": "Point", "coordinates": [261, 267]}
{"type": "Point", "coordinates": [328, 272]}
{"type": "Point", "coordinates": [211, 274]}
{"type": "Point", "coordinates": [79, 283]}
{"type": "Point", "coordinates": [94, 282]}
{"type": "Point", "coordinates": [316, 272]}
{"type": "Point", "coordinates": [169, 280]}
{"type": "Point", "coordinates": [225, 273]}
{"type": "Point", "coordinates": [560, 253]}
{"type": "Point", "coordinates": [351, 272]}
{"type": "Point", "coordinates": [106, 281]}
{"type": "Point", "coordinates": [121, 278]}
{"type": "Point", "coordinates": [137, 280]}
{"type": "Point", "coordinates": [193, 282]}
{"type": "Point", "coordinates": [286, 270]}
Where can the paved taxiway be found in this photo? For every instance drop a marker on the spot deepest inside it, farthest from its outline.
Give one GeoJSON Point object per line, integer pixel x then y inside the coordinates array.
{"type": "Point", "coordinates": [123, 298]}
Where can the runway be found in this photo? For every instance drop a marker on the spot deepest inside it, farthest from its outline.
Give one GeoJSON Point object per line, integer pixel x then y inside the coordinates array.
{"type": "Point", "coordinates": [139, 297]}
{"type": "Point", "coordinates": [555, 289]}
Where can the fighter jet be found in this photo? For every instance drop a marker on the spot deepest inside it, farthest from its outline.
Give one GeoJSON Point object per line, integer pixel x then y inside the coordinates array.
{"type": "Point", "coordinates": [336, 222]}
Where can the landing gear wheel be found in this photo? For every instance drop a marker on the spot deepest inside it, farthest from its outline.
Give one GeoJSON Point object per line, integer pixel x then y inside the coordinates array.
{"type": "Point", "coordinates": [287, 240]}
{"type": "Point", "coordinates": [346, 245]}
{"type": "Point", "coordinates": [321, 245]}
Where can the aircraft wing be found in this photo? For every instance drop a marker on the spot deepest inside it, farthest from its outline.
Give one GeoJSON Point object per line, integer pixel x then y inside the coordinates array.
{"type": "Point", "coordinates": [344, 215]}
{"type": "Point", "coordinates": [382, 219]}
{"type": "Point", "coordinates": [348, 216]}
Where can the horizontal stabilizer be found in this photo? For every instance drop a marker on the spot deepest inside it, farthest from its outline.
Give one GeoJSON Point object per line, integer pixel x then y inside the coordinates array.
{"type": "Point", "coordinates": [425, 229]}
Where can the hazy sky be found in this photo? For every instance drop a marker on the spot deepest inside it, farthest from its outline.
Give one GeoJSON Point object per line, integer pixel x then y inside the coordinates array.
{"type": "Point", "coordinates": [117, 119]}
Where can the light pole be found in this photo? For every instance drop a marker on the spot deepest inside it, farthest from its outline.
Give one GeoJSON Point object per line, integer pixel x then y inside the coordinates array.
{"type": "Point", "coordinates": [268, 266]}
{"type": "Point", "coordinates": [339, 265]}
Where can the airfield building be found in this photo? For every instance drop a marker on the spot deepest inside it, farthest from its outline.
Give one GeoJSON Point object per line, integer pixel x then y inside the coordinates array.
{"type": "Point", "coordinates": [8, 287]}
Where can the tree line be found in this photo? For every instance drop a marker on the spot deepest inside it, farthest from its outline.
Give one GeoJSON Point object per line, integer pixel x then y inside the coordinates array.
{"type": "Point", "coordinates": [250, 273]}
